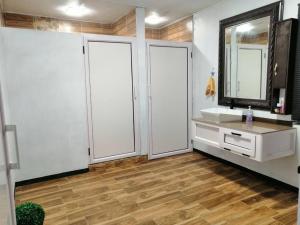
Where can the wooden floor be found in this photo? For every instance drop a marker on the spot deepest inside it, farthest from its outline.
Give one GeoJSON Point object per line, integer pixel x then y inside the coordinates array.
{"type": "Point", "coordinates": [190, 189]}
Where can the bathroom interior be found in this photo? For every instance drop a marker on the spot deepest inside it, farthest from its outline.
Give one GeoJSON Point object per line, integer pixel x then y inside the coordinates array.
{"type": "Point", "coordinates": [125, 112]}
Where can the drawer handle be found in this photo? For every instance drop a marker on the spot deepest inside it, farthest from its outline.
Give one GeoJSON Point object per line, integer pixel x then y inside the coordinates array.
{"type": "Point", "coordinates": [227, 149]}
{"type": "Point", "coordinates": [236, 134]}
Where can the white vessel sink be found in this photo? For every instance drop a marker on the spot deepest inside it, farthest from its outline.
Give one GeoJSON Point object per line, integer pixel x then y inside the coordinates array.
{"type": "Point", "coordinates": [219, 115]}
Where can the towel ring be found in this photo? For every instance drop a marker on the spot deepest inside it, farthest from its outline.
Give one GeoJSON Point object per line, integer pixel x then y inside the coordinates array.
{"type": "Point", "coordinates": [212, 73]}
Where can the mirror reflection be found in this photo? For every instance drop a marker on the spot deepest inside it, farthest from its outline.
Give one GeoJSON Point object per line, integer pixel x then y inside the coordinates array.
{"type": "Point", "coordinates": [246, 59]}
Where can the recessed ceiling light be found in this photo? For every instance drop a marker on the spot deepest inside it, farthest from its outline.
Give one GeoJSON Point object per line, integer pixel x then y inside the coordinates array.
{"type": "Point", "coordinates": [65, 27]}
{"type": "Point", "coordinates": [75, 9]}
{"type": "Point", "coordinates": [244, 28]}
{"type": "Point", "coordinates": [155, 19]}
{"type": "Point", "coordinates": [189, 26]}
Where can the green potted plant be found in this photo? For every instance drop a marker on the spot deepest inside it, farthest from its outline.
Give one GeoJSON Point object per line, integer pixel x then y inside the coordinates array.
{"type": "Point", "coordinates": [30, 214]}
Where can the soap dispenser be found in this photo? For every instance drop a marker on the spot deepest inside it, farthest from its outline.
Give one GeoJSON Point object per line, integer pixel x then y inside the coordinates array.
{"type": "Point", "coordinates": [249, 117]}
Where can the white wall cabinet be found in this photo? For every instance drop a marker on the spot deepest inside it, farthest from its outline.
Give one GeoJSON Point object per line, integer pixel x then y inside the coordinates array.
{"type": "Point", "coordinates": [268, 144]}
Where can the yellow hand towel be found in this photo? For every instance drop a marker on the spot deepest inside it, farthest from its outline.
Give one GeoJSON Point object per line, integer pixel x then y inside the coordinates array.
{"type": "Point", "coordinates": [211, 87]}
{"type": "Point", "coordinates": [208, 87]}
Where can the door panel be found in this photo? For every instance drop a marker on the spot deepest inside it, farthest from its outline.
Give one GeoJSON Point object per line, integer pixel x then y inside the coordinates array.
{"type": "Point", "coordinates": [112, 107]}
{"type": "Point", "coordinates": [45, 97]}
{"type": "Point", "coordinates": [169, 98]}
{"type": "Point", "coordinates": [281, 55]}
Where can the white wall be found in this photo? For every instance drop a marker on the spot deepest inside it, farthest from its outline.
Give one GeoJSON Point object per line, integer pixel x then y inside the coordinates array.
{"type": "Point", "coordinates": [291, 9]}
{"type": "Point", "coordinates": [45, 82]}
{"type": "Point", "coordinates": [206, 47]}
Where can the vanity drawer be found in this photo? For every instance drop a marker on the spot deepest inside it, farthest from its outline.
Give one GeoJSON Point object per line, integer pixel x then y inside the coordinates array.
{"type": "Point", "coordinates": [237, 141]}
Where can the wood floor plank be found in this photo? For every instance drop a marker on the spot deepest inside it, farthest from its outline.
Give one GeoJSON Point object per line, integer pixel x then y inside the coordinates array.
{"type": "Point", "coordinates": [189, 189]}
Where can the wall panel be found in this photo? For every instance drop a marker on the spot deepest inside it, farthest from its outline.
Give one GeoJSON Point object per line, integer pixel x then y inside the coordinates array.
{"type": "Point", "coordinates": [152, 33]}
{"type": "Point", "coordinates": [18, 20]}
{"type": "Point", "coordinates": [45, 98]}
{"type": "Point", "coordinates": [179, 31]}
{"type": "Point", "coordinates": [125, 26]}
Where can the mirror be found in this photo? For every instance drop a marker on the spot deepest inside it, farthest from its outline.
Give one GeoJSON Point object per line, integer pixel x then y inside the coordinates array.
{"type": "Point", "coordinates": [245, 57]}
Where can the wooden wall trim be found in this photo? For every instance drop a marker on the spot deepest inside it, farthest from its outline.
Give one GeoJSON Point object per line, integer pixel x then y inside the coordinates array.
{"type": "Point", "coordinates": [178, 31]}
{"type": "Point", "coordinates": [152, 33]}
{"type": "Point", "coordinates": [125, 26]}
{"type": "Point", "coordinates": [18, 21]}
{"type": "Point", "coordinates": [1, 14]}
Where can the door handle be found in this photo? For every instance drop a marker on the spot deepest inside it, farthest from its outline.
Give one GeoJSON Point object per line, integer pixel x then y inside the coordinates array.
{"type": "Point", "coordinates": [13, 128]}
{"type": "Point", "coordinates": [236, 134]}
{"type": "Point", "coordinates": [275, 69]}
{"type": "Point", "coordinates": [134, 93]}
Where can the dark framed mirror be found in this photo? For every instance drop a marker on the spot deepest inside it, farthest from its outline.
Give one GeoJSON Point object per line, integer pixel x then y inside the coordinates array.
{"type": "Point", "coordinates": [246, 57]}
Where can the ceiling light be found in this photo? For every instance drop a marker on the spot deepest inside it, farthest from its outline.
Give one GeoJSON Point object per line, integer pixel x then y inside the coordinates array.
{"type": "Point", "coordinates": [65, 28]}
{"type": "Point", "coordinates": [244, 28]}
{"type": "Point", "coordinates": [154, 19]}
{"type": "Point", "coordinates": [75, 9]}
{"type": "Point", "coordinates": [189, 26]}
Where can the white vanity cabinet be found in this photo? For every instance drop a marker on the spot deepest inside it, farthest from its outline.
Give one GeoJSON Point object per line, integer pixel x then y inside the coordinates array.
{"type": "Point", "coordinates": [260, 142]}
{"type": "Point", "coordinates": [236, 141]}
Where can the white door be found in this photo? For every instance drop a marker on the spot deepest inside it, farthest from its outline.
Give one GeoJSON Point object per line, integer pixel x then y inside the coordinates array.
{"type": "Point", "coordinates": [7, 206]}
{"type": "Point", "coordinates": [169, 99]}
{"type": "Point", "coordinates": [250, 82]}
{"type": "Point", "coordinates": [112, 117]}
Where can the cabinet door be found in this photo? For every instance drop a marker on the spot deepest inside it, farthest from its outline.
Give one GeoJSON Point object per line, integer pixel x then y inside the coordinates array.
{"type": "Point", "coordinates": [282, 49]}
{"type": "Point", "coordinates": [238, 142]}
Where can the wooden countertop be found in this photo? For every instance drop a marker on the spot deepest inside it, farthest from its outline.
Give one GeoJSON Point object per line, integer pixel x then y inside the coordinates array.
{"type": "Point", "coordinates": [257, 127]}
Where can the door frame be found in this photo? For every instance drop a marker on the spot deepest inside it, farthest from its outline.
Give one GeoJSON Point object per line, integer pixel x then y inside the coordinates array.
{"type": "Point", "coordinates": [171, 44]}
{"type": "Point", "coordinates": [8, 165]}
{"type": "Point", "coordinates": [135, 94]}
{"type": "Point", "coordinates": [7, 171]}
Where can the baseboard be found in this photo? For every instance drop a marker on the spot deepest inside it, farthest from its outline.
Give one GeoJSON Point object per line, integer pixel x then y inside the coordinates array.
{"type": "Point", "coordinates": [259, 175]}
{"type": "Point", "coordinates": [51, 177]}
{"type": "Point", "coordinates": [130, 161]}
